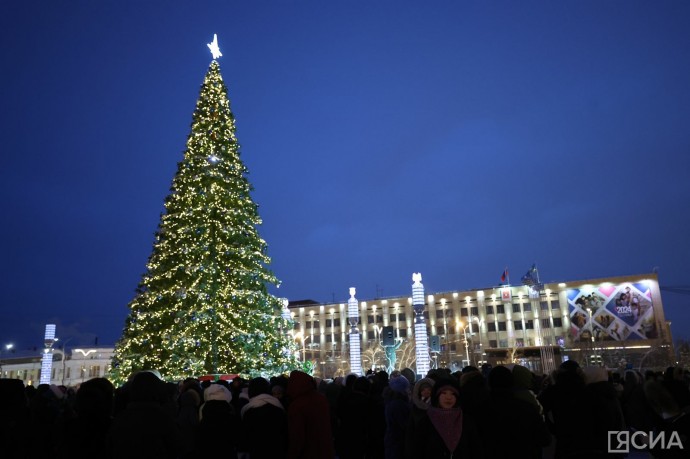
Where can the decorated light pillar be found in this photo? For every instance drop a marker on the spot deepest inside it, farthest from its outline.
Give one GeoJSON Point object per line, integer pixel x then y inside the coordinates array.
{"type": "Point", "coordinates": [47, 360]}
{"type": "Point", "coordinates": [420, 336]}
{"type": "Point", "coordinates": [285, 314]}
{"type": "Point", "coordinates": [355, 338]}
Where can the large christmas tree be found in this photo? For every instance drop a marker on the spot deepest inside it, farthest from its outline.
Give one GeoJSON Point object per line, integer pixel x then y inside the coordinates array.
{"type": "Point", "coordinates": [202, 306]}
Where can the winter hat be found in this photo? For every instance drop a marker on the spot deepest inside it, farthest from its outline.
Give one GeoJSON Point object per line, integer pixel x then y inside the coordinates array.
{"type": "Point", "coordinates": [145, 386]}
{"type": "Point", "coordinates": [500, 378]}
{"type": "Point", "coordinates": [569, 365]}
{"type": "Point", "coordinates": [522, 377]}
{"type": "Point", "coordinates": [258, 386]}
{"type": "Point", "coordinates": [417, 392]}
{"type": "Point", "coordinates": [59, 393]}
{"type": "Point", "coordinates": [409, 374]}
{"type": "Point", "coordinates": [445, 384]}
{"type": "Point", "coordinates": [217, 392]}
{"type": "Point", "coordinates": [399, 384]}
{"type": "Point", "coordinates": [426, 382]}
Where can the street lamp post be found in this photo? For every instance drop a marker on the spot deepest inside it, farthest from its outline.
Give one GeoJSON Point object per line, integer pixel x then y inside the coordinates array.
{"type": "Point", "coordinates": [64, 363]}
{"type": "Point", "coordinates": [591, 333]}
{"type": "Point", "coordinates": [459, 325]}
{"type": "Point", "coordinates": [300, 336]}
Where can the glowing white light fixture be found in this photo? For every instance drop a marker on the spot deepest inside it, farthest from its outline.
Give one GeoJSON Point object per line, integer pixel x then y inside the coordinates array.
{"type": "Point", "coordinates": [285, 313]}
{"type": "Point", "coordinates": [213, 46]}
{"type": "Point", "coordinates": [47, 359]}
{"type": "Point", "coordinates": [420, 336]}
{"type": "Point", "coordinates": [355, 341]}
{"type": "Point", "coordinates": [84, 353]}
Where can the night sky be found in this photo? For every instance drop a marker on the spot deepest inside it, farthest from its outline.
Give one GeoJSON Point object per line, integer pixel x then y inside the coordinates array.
{"type": "Point", "coordinates": [450, 138]}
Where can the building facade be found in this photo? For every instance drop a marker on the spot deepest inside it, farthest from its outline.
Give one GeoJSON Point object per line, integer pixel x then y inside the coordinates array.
{"type": "Point", "coordinates": [617, 322]}
{"type": "Point", "coordinates": [70, 368]}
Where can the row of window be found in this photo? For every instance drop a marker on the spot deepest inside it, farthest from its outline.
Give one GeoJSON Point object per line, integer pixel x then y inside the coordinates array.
{"type": "Point", "coordinates": [491, 327]}
{"type": "Point", "coordinates": [93, 371]}
{"type": "Point", "coordinates": [440, 314]}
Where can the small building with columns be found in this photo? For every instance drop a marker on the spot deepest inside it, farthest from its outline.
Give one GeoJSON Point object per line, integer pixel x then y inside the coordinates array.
{"type": "Point", "coordinates": [70, 367]}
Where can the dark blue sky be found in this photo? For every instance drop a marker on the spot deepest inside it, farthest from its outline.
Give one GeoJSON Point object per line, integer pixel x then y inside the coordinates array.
{"type": "Point", "coordinates": [454, 139]}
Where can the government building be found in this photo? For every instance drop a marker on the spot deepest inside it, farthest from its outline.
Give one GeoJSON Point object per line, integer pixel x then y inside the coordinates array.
{"type": "Point", "coordinates": [617, 322]}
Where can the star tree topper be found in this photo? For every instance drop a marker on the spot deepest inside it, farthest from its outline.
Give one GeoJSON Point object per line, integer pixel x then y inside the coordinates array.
{"type": "Point", "coordinates": [213, 46]}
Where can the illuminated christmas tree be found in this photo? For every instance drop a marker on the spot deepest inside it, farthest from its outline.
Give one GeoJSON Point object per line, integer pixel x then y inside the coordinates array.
{"type": "Point", "coordinates": [202, 306]}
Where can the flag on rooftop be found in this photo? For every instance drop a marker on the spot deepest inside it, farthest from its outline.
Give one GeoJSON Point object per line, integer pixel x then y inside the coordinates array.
{"type": "Point", "coordinates": [531, 277]}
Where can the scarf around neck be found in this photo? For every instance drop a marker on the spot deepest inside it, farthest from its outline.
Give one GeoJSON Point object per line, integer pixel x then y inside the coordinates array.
{"type": "Point", "coordinates": [448, 424]}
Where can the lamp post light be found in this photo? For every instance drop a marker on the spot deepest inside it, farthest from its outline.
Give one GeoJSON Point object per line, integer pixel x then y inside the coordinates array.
{"type": "Point", "coordinates": [64, 363]}
{"type": "Point", "coordinates": [458, 326]}
{"type": "Point", "coordinates": [591, 333]}
{"type": "Point", "coordinates": [300, 336]}
{"type": "Point", "coordinates": [464, 331]}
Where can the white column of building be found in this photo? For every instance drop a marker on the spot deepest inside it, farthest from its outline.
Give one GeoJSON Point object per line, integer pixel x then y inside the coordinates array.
{"type": "Point", "coordinates": [47, 360]}
{"type": "Point", "coordinates": [420, 336]}
{"type": "Point", "coordinates": [355, 341]}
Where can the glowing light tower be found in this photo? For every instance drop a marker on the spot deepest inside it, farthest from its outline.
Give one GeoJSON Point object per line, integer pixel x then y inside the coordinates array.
{"type": "Point", "coordinates": [47, 360]}
{"type": "Point", "coordinates": [420, 337]}
{"type": "Point", "coordinates": [285, 314]}
{"type": "Point", "coordinates": [355, 339]}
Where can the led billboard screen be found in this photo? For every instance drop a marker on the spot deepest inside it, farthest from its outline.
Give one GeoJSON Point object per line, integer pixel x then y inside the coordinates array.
{"type": "Point", "coordinates": [618, 312]}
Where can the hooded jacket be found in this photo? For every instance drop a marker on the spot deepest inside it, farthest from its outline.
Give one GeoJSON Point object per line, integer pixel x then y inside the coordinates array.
{"type": "Point", "coordinates": [309, 422]}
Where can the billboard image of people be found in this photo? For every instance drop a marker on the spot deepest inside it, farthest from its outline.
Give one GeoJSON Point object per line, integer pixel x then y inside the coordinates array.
{"type": "Point", "coordinates": [618, 312]}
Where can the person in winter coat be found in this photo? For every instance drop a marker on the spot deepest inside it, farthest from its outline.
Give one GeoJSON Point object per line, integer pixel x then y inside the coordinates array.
{"type": "Point", "coordinates": [599, 397]}
{"type": "Point", "coordinates": [397, 411]}
{"type": "Point", "coordinates": [309, 424]}
{"type": "Point", "coordinates": [264, 423]}
{"type": "Point", "coordinates": [445, 432]}
{"type": "Point", "coordinates": [518, 423]}
{"type": "Point", "coordinates": [219, 423]}
{"type": "Point", "coordinates": [146, 428]}
{"type": "Point", "coordinates": [354, 415]}
{"type": "Point", "coordinates": [673, 422]}
{"type": "Point", "coordinates": [421, 399]}
{"type": "Point", "coordinates": [94, 414]}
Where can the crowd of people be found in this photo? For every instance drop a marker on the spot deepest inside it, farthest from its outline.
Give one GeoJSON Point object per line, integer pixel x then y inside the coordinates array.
{"type": "Point", "coordinates": [500, 412]}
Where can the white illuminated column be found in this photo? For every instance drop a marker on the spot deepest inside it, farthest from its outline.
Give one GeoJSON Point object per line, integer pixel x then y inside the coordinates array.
{"type": "Point", "coordinates": [47, 360]}
{"type": "Point", "coordinates": [285, 313]}
{"type": "Point", "coordinates": [355, 339]}
{"type": "Point", "coordinates": [420, 336]}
